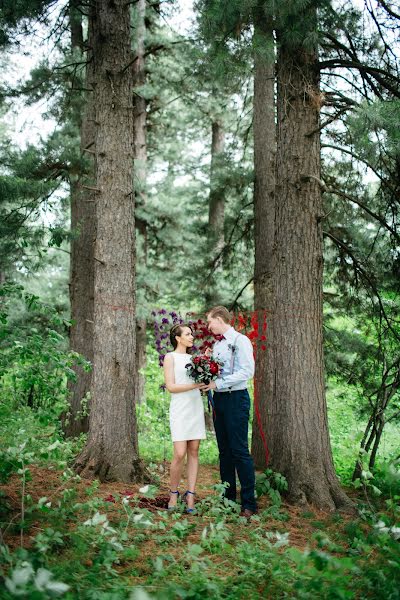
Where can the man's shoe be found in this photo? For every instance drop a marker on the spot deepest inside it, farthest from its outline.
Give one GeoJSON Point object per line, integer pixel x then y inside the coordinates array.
{"type": "Point", "coordinates": [247, 513]}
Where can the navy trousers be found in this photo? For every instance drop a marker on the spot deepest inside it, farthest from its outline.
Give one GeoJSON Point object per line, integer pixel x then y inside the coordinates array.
{"type": "Point", "coordinates": [231, 420]}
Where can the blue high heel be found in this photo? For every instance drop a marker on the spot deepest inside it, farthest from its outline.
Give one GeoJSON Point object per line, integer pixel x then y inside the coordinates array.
{"type": "Point", "coordinates": [188, 510]}
{"type": "Point", "coordinates": [175, 506]}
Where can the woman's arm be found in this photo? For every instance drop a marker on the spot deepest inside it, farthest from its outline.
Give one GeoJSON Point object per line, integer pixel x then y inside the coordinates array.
{"type": "Point", "coordinates": [169, 378]}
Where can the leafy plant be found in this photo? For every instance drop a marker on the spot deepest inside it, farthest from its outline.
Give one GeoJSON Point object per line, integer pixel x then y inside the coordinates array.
{"type": "Point", "coordinates": [271, 483]}
{"type": "Point", "coordinates": [35, 363]}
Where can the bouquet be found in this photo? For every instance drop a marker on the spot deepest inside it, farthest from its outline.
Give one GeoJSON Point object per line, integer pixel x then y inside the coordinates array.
{"type": "Point", "coordinates": [203, 369]}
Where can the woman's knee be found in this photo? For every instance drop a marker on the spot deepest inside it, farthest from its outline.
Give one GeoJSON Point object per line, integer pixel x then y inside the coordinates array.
{"type": "Point", "coordinates": [194, 454]}
{"type": "Point", "coordinates": [193, 450]}
{"type": "Point", "coordinates": [179, 456]}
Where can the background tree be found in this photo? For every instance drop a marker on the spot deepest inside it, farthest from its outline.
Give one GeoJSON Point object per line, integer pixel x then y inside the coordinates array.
{"type": "Point", "coordinates": [358, 122]}
{"type": "Point", "coordinates": [297, 427]}
{"type": "Point", "coordinates": [111, 452]}
{"type": "Point", "coordinates": [264, 132]}
{"type": "Point", "coordinates": [82, 199]}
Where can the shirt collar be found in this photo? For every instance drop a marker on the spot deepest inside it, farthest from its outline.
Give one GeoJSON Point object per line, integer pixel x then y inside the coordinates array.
{"type": "Point", "coordinates": [229, 334]}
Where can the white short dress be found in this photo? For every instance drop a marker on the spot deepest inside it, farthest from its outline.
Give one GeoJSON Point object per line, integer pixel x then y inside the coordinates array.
{"type": "Point", "coordinates": [186, 412]}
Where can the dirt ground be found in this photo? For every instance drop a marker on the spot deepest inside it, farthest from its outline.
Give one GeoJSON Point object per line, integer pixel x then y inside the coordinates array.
{"type": "Point", "coordinates": [300, 523]}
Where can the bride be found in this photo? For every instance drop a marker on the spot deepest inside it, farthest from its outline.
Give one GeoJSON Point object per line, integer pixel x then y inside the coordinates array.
{"type": "Point", "coordinates": [186, 415]}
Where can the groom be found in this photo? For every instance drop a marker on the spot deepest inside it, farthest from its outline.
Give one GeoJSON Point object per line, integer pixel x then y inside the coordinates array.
{"type": "Point", "coordinates": [232, 407]}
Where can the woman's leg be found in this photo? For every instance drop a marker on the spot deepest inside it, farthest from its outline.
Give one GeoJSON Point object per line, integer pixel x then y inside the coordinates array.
{"type": "Point", "coordinates": [192, 468]}
{"type": "Point", "coordinates": [176, 470]}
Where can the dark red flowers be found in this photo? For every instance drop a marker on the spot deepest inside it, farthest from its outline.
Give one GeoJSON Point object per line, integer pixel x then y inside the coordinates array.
{"type": "Point", "coordinates": [203, 369]}
{"type": "Point", "coordinates": [214, 368]}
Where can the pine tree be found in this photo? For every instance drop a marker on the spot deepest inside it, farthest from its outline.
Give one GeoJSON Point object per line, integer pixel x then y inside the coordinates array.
{"type": "Point", "coordinates": [264, 132]}
{"type": "Point", "coordinates": [297, 427]}
{"type": "Point", "coordinates": [140, 166]}
{"type": "Point", "coordinates": [111, 452]}
{"type": "Point", "coordinates": [216, 213]}
{"type": "Point", "coordinates": [293, 287]}
{"type": "Point", "coordinates": [82, 199]}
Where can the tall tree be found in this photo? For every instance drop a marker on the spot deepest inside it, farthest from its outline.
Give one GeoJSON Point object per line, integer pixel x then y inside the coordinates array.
{"type": "Point", "coordinates": [140, 166]}
{"type": "Point", "coordinates": [216, 212]}
{"type": "Point", "coordinates": [82, 239]}
{"type": "Point", "coordinates": [296, 414]}
{"type": "Point", "coordinates": [111, 452]}
{"type": "Point", "coordinates": [289, 275]}
{"type": "Point", "coordinates": [264, 132]}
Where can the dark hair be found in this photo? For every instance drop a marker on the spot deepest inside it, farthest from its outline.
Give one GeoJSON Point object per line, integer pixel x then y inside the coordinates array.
{"type": "Point", "coordinates": [176, 331]}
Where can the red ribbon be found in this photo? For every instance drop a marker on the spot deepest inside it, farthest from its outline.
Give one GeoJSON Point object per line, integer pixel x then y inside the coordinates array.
{"type": "Point", "coordinates": [254, 336]}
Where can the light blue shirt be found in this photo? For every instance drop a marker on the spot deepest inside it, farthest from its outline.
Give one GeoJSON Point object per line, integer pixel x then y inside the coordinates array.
{"type": "Point", "coordinates": [237, 346]}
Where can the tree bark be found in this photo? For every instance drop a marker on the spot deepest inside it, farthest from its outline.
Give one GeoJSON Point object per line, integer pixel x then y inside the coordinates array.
{"type": "Point", "coordinates": [140, 162]}
{"type": "Point", "coordinates": [296, 414]}
{"type": "Point", "coordinates": [216, 213]}
{"type": "Point", "coordinates": [378, 436]}
{"type": "Point", "coordinates": [264, 129]}
{"type": "Point", "coordinates": [82, 262]}
{"type": "Point", "coordinates": [111, 453]}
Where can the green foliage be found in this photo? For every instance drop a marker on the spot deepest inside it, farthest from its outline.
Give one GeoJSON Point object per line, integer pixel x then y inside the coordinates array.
{"type": "Point", "coordinates": [272, 484]}
{"type": "Point", "coordinates": [86, 547]}
{"type": "Point", "coordinates": [35, 364]}
{"type": "Point", "coordinates": [20, 200]}
{"type": "Point", "coordinates": [96, 547]}
{"type": "Point", "coordinates": [23, 580]}
{"type": "Point", "coordinates": [13, 13]}
{"type": "Point", "coordinates": [32, 205]}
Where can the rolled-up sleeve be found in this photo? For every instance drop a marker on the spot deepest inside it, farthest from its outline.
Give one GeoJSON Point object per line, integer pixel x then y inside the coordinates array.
{"type": "Point", "coordinates": [243, 366]}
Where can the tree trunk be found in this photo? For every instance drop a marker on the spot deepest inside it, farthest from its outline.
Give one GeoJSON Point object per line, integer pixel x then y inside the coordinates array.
{"type": "Point", "coordinates": [82, 262]}
{"type": "Point", "coordinates": [296, 415]}
{"type": "Point", "coordinates": [140, 162]}
{"type": "Point", "coordinates": [75, 24]}
{"type": "Point", "coordinates": [216, 211]}
{"type": "Point", "coordinates": [111, 453]}
{"type": "Point", "coordinates": [215, 231]}
{"type": "Point", "coordinates": [264, 224]}
{"type": "Point", "coordinates": [378, 436]}
{"type": "Point", "coordinates": [358, 466]}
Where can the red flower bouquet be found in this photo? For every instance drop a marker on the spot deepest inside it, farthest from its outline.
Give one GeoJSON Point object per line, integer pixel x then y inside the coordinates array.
{"type": "Point", "coordinates": [203, 369]}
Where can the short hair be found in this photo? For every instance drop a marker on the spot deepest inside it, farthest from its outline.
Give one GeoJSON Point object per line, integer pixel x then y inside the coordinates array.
{"type": "Point", "coordinates": [220, 311]}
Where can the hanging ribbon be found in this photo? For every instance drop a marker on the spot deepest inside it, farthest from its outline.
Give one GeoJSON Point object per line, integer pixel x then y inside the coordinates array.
{"type": "Point", "coordinates": [210, 402]}
{"type": "Point", "coordinates": [255, 337]}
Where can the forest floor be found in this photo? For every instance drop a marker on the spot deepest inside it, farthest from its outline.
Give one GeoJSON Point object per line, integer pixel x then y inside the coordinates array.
{"type": "Point", "coordinates": [299, 523]}
{"type": "Point", "coordinates": [102, 539]}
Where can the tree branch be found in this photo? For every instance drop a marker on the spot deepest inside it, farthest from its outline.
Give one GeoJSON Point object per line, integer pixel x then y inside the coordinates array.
{"type": "Point", "coordinates": [364, 274]}
{"type": "Point", "coordinates": [232, 306]}
{"type": "Point", "coordinates": [374, 215]}
{"type": "Point", "coordinates": [388, 9]}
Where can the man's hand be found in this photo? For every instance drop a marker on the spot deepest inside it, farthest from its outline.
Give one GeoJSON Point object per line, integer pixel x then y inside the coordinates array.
{"type": "Point", "coordinates": [210, 386]}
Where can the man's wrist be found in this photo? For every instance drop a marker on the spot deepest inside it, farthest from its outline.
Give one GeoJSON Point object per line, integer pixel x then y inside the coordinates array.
{"type": "Point", "coordinates": [219, 383]}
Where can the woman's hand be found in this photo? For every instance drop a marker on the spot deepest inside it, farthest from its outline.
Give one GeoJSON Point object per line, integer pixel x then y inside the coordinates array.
{"type": "Point", "coordinates": [210, 386]}
{"type": "Point", "coordinates": [201, 386]}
